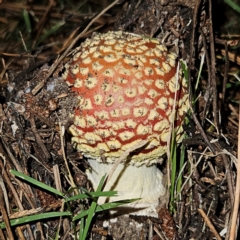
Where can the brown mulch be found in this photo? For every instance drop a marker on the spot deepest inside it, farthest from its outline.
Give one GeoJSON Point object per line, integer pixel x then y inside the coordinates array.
{"type": "Point", "coordinates": [34, 109]}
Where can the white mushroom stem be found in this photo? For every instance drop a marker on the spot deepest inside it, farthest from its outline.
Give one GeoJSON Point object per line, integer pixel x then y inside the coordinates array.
{"type": "Point", "coordinates": [145, 182]}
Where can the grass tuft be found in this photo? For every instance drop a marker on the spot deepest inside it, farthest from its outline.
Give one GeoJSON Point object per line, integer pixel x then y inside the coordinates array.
{"type": "Point", "coordinates": [85, 216]}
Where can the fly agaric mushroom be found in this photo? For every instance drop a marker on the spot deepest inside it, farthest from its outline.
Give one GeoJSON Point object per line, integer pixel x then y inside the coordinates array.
{"type": "Point", "coordinates": [126, 85]}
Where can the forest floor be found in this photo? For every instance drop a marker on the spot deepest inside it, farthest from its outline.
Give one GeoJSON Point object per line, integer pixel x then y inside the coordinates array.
{"type": "Point", "coordinates": [35, 41]}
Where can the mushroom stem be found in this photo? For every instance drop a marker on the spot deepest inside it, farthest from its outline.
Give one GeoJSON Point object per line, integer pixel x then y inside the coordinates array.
{"type": "Point", "coordinates": [145, 182]}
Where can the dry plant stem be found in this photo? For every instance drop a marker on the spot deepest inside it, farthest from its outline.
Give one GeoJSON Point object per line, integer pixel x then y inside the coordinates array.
{"type": "Point", "coordinates": [160, 235]}
{"type": "Point", "coordinates": [43, 119]}
{"type": "Point", "coordinates": [4, 69]}
{"type": "Point", "coordinates": [232, 56]}
{"type": "Point", "coordinates": [191, 63]}
{"type": "Point", "coordinates": [209, 224]}
{"type": "Point", "coordinates": [225, 78]}
{"type": "Point", "coordinates": [40, 230]}
{"type": "Point", "coordinates": [193, 166]}
{"type": "Point", "coordinates": [124, 156]}
{"type": "Point", "coordinates": [67, 234]}
{"type": "Point", "coordinates": [192, 43]}
{"type": "Point", "coordinates": [25, 213]}
{"type": "Point", "coordinates": [20, 234]}
{"type": "Point", "coordinates": [61, 218]}
{"type": "Point", "coordinates": [227, 225]}
{"type": "Point", "coordinates": [5, 216]}
{"type": "Point", "coordinates": [4, 191]}
{"type": "Point", "coordinates": [41, 163]}
{"type": "Point", "coordinates": [205, 138]}
{"type": "Point", "coordinates": [150, 230]}
{"type": "Point", "coordinates": [226, 70]}
{"type": "Point", "coordinates": [68, 41]}
{"type": "Point", "coordinates": [23, 42]}
{"type": "Point", "coordinates": [213, 70]}
{"type": "Point", "coordinates": [76, 39]}
{"type": "Point", "coordinates": [2, 237]}
{"type": "Point", "coordinates": [232, 121]}
{"type": "Point", "coordinates": [10, 155]}
{"type": "Point", "coordinates": [237, 190]}
{"type": "Point", "coordinates": [209, 77]}
{"type": "Point", "coordinates": [27, 55]}
{"type": "Point", "coordinates": [15, 195]}
{"type": "Point", "coordinates": [27, 190]}
{"type": "Point", "coordinates": [38, 138]}
{"type": "Point", "coordinates": [185, 230]}
{"type": "Point", "coordinates": [65, 159]}
{"type": "Point", "coordinates": [180, 216]}
{"type": "Point", "coordinates": [229, 178]}
{"type": "Point", "coordinates": [40, 24]}
{"type": "Point", "coordinates": [57, 179]}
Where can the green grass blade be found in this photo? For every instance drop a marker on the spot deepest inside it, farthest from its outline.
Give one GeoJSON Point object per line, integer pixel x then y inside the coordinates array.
{"type": "Point", "coordinates": [92, 209]}
{"type": "Point", "coordinates": [184, 69]}
{"type": "Point", "coordinates": [105, 206]}
{"type": "Point", "coordinates": [35, 182]}
{"type": "Point", "coordinates": [100, 185]}
{"type": "Point", "coordinates": [57, 234]}
{"type": "Point", "coordinates": [233, 5]}
{"type": "Point", "coordinates": [51, 31]}
{"type": "Point", "coordinates": [111, 205]}
{"type": "Point", "coordinates": [82, 225]}
{"type": "Point", "coordinates": [27, 20]}
{"type": "Point", "coordinates": [92, 195]}
{"type": "Point", "coordinates": [180, 177]}
{"type": "Point", "coordinates": [173, 170]}
{"type": "Point", "coordinates": [90, 216]}
{"type": "Point", "coordinates": [37, 217]}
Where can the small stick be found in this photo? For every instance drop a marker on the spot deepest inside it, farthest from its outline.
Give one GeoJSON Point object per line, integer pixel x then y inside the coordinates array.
{"type": "Point", "coordinates": [226, 70]}
{"type": "Point", "coordinates": [237, 191]}
{"type": "Point", "coordinates": [229, 176]}
{"type": "Point", "coordinates": [5, 216]}
{"type": "Point", "coordinates": [206, 96]}
{"type": "Point", "coordinates": [38, 138]}
{"type": "Point", "coordinates": [209, 224]}
{"type": "Point", "coordinates": [191, 63]}
{"type": "Point", "coordinates": [62, 130]}
{"type": "Point", "coordinates": [15, 195]}
{"type": "Point", "coordinates": [125, 155]}
{"type": "Point", "coordinates": [213, 69]}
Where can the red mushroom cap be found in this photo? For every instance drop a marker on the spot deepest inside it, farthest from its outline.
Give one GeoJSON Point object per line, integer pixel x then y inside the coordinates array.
{"type": "Point", "coordinates": [126, 85]}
